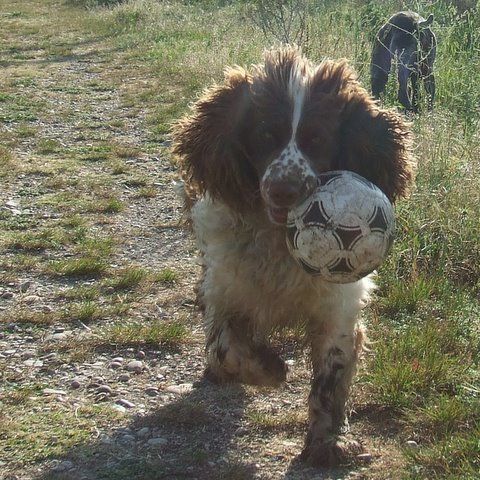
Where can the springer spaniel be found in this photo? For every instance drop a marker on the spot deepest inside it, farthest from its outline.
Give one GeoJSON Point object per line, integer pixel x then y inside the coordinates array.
{"type": "Point", "coordinates": [252, 148]}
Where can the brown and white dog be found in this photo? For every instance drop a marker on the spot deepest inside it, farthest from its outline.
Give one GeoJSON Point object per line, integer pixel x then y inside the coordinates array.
{"type": "Point", "coordinates": [250, 150]}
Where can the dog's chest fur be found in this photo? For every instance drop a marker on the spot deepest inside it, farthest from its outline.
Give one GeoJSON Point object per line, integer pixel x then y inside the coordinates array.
{"type": "Point", "coordinates": [249, 271]}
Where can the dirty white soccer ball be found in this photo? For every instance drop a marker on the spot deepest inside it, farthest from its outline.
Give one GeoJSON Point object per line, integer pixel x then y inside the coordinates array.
{"type": "Point", "coordinates": [344, 230]}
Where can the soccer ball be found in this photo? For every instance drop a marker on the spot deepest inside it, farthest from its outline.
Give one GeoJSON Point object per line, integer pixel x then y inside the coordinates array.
{"type": "Point", "coordinates": [344, 230]}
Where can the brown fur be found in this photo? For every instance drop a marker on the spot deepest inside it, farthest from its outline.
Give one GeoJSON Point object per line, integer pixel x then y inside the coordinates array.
{"type": "Point", "coordinates": [214, 145]}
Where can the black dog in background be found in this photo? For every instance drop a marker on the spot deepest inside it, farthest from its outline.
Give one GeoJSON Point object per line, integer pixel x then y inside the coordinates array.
{"type": "Point", "coordinates": [408, 36]}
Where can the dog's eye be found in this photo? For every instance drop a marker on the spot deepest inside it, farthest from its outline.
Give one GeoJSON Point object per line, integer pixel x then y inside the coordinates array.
{"type": "Point", "coordinates": [316, 142]}
{"type": "Point", "coordinates": [267, 136]}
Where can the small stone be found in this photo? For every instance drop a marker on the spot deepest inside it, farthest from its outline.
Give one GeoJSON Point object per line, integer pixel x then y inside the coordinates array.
{"type": "Point", "coordinates": [157, 442]}
{"type": "Point", "coordinates": [141, 354]}
{"type": "Point", "coordinates": [119, 408]}
{"type": "Point", "coordinates": [56, 336]}
{"type": "Point", "coordinates": [151, 391]}
{"type": "Point", "coordinates": [53, 391]}
{"type": "Point", "coordinates": [412, 444]}
{"type": "Point", "coordinates": [31, 362]}
{"type": "Point", "coordinates": [143, 432]}
{"type": "Point", "coordinates": [117, 359]}
{"type": "Point", "coordinates": [127, 438]}
{"type": "Point", "coordinates": [104, 389]}
{"type": "Point", "coordinates": [31, 299]}
{"type": "Point", "coordinates": [115, 365]}
{"type": "Point", "coordinates": [75, 384]}
{"type": "Point", "coordinates": [124, 377]}
{"type": "Point", "coordinates": [7, 295]}
{"type": "Point", "coordinates": [46, 308]}
{"type": "Point", "coordinates": [9, 352]}
{"type": "Point", "coordinates": [63, 466]}
{"type": "Point", "coordinates": [28, 354]}
{"type": "Point", "coordinates": [181, 388]}
{"type": "Point", "coordinates": [124, 403]}
{"type": "Point", "coordinates": [365, 457]}
{"type": "Point", "coordinates": [105, 439]}
{"type": "Point", "coordinates": [135, 366]}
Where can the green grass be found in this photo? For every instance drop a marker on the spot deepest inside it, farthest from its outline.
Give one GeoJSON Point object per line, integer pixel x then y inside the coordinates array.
{"type": "Point", "coordinates": [78, 267]}
{"type": "Point", "coordinates": [47, 433]}
{"type": "Point", "coordinates": [153, 333]}
{"type": "Point", "coordinates": [167, 276]}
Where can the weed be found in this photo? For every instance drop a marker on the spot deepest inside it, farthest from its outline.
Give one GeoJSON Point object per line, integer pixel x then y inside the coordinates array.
{"type": "Point", "coordinates": [78, 267]}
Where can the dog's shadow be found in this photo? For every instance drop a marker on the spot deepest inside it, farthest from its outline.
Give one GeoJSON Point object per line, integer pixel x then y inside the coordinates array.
{"type": "Point", "coordinates": [188, 438]}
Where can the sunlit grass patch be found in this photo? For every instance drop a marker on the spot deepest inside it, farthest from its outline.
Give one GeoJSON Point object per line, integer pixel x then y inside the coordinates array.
{"type": "Point", "coordinates": [454, 457]}
{"type": "Point", "coordinates": [127, 278]}
{"type": "Point", "coordinates": [26, 131]}
{"type": "Point", "coordinates": [50, 431]}
{"type": "Point", "coordinates": [167, 276]}
{"type": "Point", "coordinates": [29, 316]}
{"type": "Point", "coordinates": [20, 109]}
{"type": "Point", "coordinates": [41, 239]}
{"type": "Point", "coordinates": [119, 167]}
{"type": "Point", "coordinates": [147, 192]}
{"type": "Point", "coordinates": [48, 146]}
{"type": "Point", "coordinates": [95, 246]}
{"type": "Point", "coordinates": [422, 359]}
{"type": "Point", "coordinates": [8, 162]}
{"type": "Point", "coordinates": [444, 414]}
{"type": "Point", "coordinates": [152, 333]}
{"type": "Point", "coordinates": [83, 293]}
{"type": "Point", "coordinates": [78, 267]}
{"type": "Point", "coordinates": [104, 205]}
{"type": "Point", "coordinates": [126, 151]}
{"type": "Point", "coordinates": [285, 421]}
{"type": "Point", "coordinates": [85, 311]}
{"type": "Point", "coordinates": [19, 262]}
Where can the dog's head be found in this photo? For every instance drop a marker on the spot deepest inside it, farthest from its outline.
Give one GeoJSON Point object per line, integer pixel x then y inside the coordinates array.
{"type": "Point", "coordinates": [264, 136]}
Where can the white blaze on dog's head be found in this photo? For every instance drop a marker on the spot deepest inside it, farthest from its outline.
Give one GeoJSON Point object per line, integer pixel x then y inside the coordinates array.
{"type": "Point", "coordinates": [291, 167]}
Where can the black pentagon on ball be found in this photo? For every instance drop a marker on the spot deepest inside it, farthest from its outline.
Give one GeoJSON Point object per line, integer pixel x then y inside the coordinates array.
{"type": "Point", "coordinates": [378, 221]}
{"type": "Point", "coordinates": [341, 265]}
{"type": "Point", "coordinates": [348, 236]}
{"type": "Point", "coordinates": [315, 215]}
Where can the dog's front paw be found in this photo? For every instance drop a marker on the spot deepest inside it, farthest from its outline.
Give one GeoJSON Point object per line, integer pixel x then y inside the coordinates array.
{"type": "Point", "coordinates": [332, 452]}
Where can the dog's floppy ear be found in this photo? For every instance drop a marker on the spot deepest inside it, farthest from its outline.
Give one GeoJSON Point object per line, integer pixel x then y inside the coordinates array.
{"type": "Point", "coordinates": [208, 146]}
{"type": "Point", "coordinates": [376, 144]}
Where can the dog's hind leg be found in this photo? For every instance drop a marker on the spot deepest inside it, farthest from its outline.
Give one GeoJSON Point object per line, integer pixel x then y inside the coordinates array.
{"type": "Point", "coordinates": [381, 62]}
{"type": "Point", "coordinates": [233, 355]}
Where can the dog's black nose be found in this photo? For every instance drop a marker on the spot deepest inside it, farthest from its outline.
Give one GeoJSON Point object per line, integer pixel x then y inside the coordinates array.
{"type": "Point", "coordinates": [284, 194]}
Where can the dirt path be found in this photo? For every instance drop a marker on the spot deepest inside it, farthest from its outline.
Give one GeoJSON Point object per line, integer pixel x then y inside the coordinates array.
{"type": "Point", "coordinates": [74, 406]}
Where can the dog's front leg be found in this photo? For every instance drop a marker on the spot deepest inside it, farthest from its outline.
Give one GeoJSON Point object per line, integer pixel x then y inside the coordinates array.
{"type": "Point", "coordinates": [233, 355]}
{"type": "Point", "coordinates": [334, 357]}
